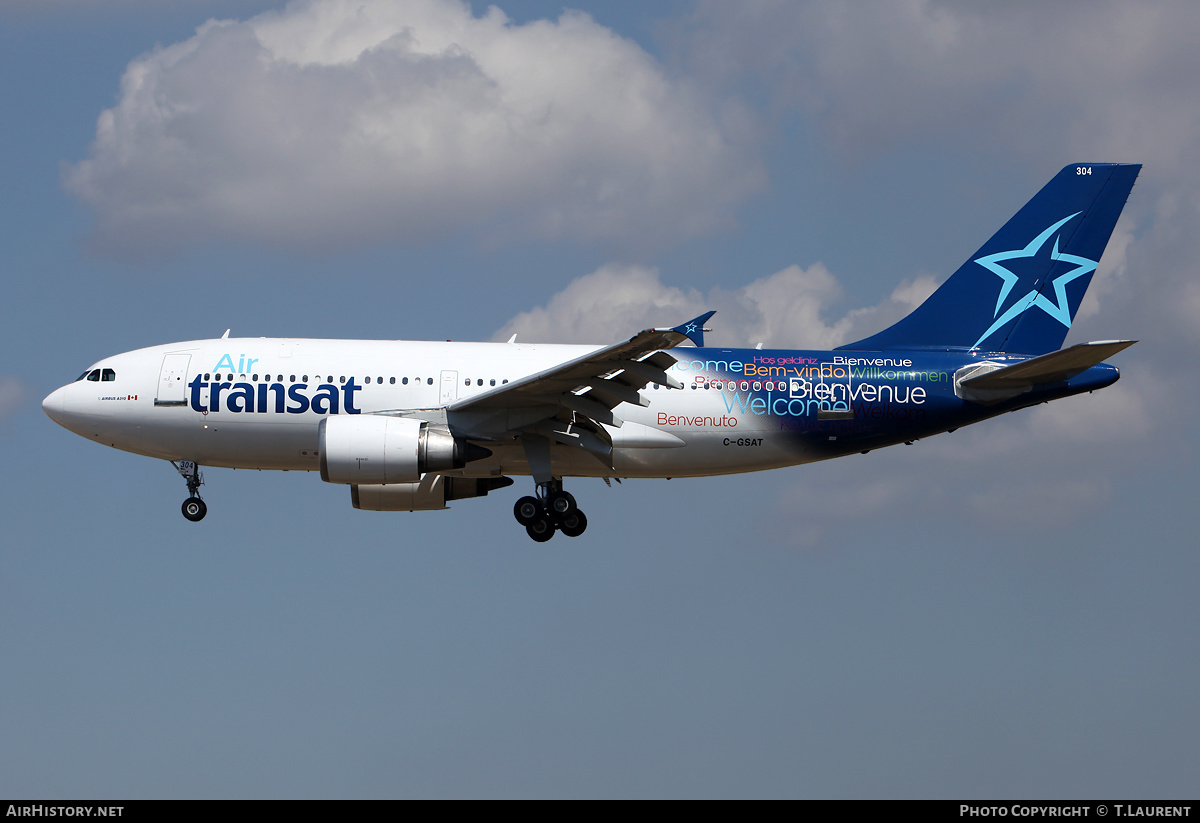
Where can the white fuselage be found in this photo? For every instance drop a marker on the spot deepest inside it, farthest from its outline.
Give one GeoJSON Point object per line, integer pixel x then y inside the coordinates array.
{"type": "Point", "coordinates": [256, 403]}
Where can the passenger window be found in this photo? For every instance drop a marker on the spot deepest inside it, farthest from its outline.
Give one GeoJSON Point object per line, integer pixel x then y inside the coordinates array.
{"type": "Point", "coordinates": [480, 381]}
{"type": "Point", "coordinates": [467, 382]}
{"type": "Point", "coordinates": [94, 376]}
{"type": "Point", "coordinates": [291, 378]}
{"type": "Point", "coordinates": [342, 379]}
{"type": "Point", "coordinates": [492, 382]}
{"type": "Point", "coordinates": [368, 380]}
{"type": "Point", "coordinates": [403, 380]}
{"type": "Point", "coordinates": [392, 380]}
{"type": "Point", "coordinates": [430, 381]}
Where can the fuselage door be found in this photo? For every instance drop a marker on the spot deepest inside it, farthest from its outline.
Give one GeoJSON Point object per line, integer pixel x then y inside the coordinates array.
{"type": "Point", "coordinates": [449, 387]}
{"type": "Point", "coordinates": [172, 380]}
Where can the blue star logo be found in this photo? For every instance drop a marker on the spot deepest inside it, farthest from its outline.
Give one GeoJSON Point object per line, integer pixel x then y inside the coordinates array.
{"type": "Point", "coordinates": [689, 329]}
{"type": "Point", "coordinates": [1041, 260]}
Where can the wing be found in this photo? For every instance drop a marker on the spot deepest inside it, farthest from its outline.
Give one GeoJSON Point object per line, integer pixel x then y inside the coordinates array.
{"type": "Point", "coordinates": [568, 403]}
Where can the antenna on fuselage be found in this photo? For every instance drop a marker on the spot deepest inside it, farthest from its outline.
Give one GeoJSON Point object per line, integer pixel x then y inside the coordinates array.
{"type": "Point", "coordinates": [225, 336]}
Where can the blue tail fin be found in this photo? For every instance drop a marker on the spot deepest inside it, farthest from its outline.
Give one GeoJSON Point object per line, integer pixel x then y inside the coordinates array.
{"type": "Point", "coordinates": [1019, 293]}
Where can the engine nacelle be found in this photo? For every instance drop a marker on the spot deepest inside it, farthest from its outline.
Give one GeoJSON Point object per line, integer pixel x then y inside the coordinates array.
{"type": "Point", "coordinates": [431, 492]}
{"type": "Point", "coordinates": [367, 449]}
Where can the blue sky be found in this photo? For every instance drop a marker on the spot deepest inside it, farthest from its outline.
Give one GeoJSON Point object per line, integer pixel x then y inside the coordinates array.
{"type": "Point", "coordinates": [1006, 611]}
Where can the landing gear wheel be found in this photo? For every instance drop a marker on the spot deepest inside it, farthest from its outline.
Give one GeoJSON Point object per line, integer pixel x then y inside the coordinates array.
{"type": "Point", "coordinates": [560, 504]}
{"type": "Point", "coordinates": [527, 510]}
{"type": "Point", "coordinates": [194, 509]}
{"type": "Point", "coordinates": [540, 529]}
{"type": "Point", "coordinates": [573, 524]}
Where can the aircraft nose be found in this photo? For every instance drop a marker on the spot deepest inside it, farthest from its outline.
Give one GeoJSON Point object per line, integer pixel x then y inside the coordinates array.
{"type": "Point", "coordinates": [53, 405]}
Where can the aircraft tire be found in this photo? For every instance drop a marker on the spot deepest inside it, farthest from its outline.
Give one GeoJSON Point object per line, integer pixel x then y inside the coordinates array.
{"type": "Point", "coordinates": [527, 510]}
{"type": "Point", "coordinates": [194, 509]}
{"type": "Point", "coordinates": [541, 529]}
{"type": "Point", "coordinates": [573, 524]}
{"type": "Point", "coordinates": [561, 504]}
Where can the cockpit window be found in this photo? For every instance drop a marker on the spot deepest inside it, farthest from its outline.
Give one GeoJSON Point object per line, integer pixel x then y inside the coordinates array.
{"type": "Point", "coordinates": [94, 375]}
{"type": "Point", "coordinates": [108, 375]}
{"type": "Point", "coordinates": [80, 377]}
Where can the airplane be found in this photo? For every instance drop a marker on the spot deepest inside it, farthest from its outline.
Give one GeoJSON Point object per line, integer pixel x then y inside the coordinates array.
{"type": "Point", "coordinates": [411, 426]}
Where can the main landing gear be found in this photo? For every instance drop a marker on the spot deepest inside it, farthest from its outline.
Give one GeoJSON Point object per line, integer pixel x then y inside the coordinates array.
{"type": "Point", "coordinates": [193, 508]}
{"type": "Point", "coordinates": [552, 509]}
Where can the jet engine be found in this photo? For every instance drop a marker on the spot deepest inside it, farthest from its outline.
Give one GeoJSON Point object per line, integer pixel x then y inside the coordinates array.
{"type": "Point", "coordinates": [431, 492]}
{"type": "Point", "coordinates": [372, 449]}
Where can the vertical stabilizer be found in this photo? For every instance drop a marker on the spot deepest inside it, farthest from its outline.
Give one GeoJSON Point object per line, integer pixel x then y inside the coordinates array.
{"type": "Point", "coordinates": [1020, 291]}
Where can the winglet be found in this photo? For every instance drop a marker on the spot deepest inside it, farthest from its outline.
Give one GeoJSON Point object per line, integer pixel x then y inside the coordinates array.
{"type": "Point", "coordinates": [694, 329]}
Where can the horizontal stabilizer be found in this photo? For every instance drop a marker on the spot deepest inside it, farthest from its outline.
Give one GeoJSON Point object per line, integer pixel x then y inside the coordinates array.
{"type": "Point", "coordinates": [1047, 368]}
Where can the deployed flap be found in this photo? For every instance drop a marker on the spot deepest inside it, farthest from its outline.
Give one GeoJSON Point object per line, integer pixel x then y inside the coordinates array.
{"type": "Point", "coordinates": [580, 393]}
{"type": "Point", "coordinates": [625, 365]}
{"type": "Point", "coordinates": [1048, 368]}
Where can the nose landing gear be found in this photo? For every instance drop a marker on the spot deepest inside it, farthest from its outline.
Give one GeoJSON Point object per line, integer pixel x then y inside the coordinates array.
{"type": "Point", "coordinates": [553, 509]}
{"type": "Point", "coordinates": [194, 508]}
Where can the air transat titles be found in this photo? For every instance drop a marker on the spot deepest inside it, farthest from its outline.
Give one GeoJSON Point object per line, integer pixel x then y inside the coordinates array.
{"type": "Point", "coordinates": [277, 398]}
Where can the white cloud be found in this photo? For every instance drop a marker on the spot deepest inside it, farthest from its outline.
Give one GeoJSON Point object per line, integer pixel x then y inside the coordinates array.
{"type": "Point", "coordinates": [335, 122]}
{"type": "Point", "coordinates": [1031, 76]}
{"type": "Point", "coordinates": [600, 307]}
{"type": "Point", "coordinates": [783, 310]}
